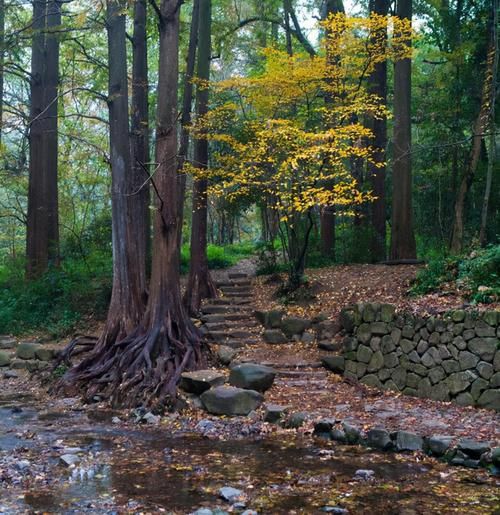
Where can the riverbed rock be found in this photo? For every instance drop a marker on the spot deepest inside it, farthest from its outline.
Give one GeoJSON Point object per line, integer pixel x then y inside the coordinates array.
{"type": "Point", "coordinates": [231, 401]}
{"type": "Point", "coordinates": [352, 433]}
{"type": "Point", "coordinates": [252, 376]}
{"type": "Point", "coordinates": [473, 448]}
{"type": "Point", "coordinates": [69, 460]}
{"type": "Point", "coordinates": [201, 380]}
{"type": "Point", "coordinates": [274, 413]}
{"type": "Point", "coordinates": [296, 420]}
{"type": "Point", "coordinates": [230, 494]}
{"type": "Point", "coordinates": [44, 353]}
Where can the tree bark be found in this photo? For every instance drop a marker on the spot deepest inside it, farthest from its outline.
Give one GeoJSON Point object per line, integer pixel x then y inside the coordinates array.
{"type": "Point", "coordinates": [144, 367]}
{"type": "Point", "coordinates": [42, 223]}
{"type": "Point", "coordinates": [140, 198]}
{"type": "Point", "coordinates": [200, 284]}
{"type": "Point", "coordinates": [377, 83]}
{"type": "Point", "coordinates": [480, 126]}
{"type": "Point", "coordinates": [492, 137]}
{"type": "Point", "coordinates": [187, 102]}
{"type": "Point", "coordinates": [2, 61]}
{"type": "Point", "coordinates": [402, 234]}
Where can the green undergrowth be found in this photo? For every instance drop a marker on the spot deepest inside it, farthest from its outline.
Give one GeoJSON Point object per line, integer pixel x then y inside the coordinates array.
{"type": "Point", "coordinates": [80, 289]}
{"type": "Point", "coordinates": [477, 275]}
{"type": "Point", "coordinates": [220, 257]}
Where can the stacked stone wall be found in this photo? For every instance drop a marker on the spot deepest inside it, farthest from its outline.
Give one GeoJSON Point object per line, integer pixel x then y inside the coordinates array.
{"type": "Point", "coordinates": [450, 357]}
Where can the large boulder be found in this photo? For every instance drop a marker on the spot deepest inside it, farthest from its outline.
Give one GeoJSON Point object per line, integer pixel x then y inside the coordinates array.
{"type": "Point", "coordinates": [252, 376]}
{"type": "Point", "coordinates": [201, 380]}
{"type": "Point", "coordinates": [231, 401]}
{"type": "Point", "coordinates": [294, 325]}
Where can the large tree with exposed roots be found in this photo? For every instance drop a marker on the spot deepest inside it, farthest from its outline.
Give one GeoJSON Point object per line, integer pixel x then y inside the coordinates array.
{"type": "Point", "coordinates": [140, 362]}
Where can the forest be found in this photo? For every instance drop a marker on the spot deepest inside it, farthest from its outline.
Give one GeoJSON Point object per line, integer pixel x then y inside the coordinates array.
{"type": "Point", "coordinates": [276, 189]}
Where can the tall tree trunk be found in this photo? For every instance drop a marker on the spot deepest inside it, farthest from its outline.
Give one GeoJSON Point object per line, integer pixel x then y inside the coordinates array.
{"type": "Point", "coordinates": [480, 126]}
{"type": "Point", "coordinates": [187, 102]}
{"type": "Point", "coordinates": [37, 255]}
{"type": "Point", "coordinates": [327, 213]}
{"type": "Point", "coordinates": [200, 284]}
{"type": "Point", "coordinates": [140, 199]}
{"type": "Point", "coordinates": [376, 174]}
{"type": "Point", "coordinates": [402, 234]}
{"type": "Point", "coordinates": [288, 32]}
{"type": "Point", "coordinates": [492, 137]}
{"type": "Point", "coordinates": [2, 61]}
{"type": "Point", "coordinates": [50, 136]}
{"type": "Point", "coordinates": [144, 367]}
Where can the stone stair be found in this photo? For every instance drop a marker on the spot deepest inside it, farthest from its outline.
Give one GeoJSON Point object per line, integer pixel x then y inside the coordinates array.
{"type": "Point", "coordinates": [228, 320]}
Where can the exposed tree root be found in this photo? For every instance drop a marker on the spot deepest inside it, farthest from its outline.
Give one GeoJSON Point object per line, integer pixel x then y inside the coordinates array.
{"type": "Point", "coordinates": [78, 345]}
{"type": "Point", "coordinates": [142, 369]}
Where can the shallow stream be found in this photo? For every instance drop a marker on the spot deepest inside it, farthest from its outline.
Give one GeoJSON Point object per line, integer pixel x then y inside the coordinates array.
{"type": "Point", "coordinates": [132, 469]}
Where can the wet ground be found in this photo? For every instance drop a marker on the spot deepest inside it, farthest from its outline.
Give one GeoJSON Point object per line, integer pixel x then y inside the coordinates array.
{"type": "Point", "coordinates": [129, 468]}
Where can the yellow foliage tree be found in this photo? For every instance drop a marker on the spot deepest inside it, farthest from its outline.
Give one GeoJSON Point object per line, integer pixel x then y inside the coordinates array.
{"type": "Point", "coordinates": [288, 133]}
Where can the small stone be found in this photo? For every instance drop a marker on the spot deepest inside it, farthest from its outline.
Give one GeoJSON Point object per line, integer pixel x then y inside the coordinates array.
{"type": "Point", "coordinates": [364, 474]}
{"type": "Point", "coordinates": [444, 353]}
{"type": "Point", "coordinates": [350, 344]}
{"type": "Point", "coordinates": [296, 420]}
{"type": "Point", "coordinates": [4, 359]}
{"type": "Point", "coordinates": [484, 330]}
{"type": "Point", "coordinates": [460, 381]}
{"type": "Point", "coordinates": [387, 312]}
{"type": "Point", "coordinates": [364, 354]}
{"type": "Point", "coordinates": [274, 336]}
{"type": "Point", "coordinates": [446, 337]}
{"type": "Point", "coordinates": [22, 465]}
{"type": "Point", "coordinates": [376, 362]}
{"type": "Point", "coordinates": [330, 346]}
{"type": "Point", "coordinates": [407, 441]}
{"type": "Point", "coordinates": [69, 460]}
{"type": "Point", "coordinates": [407, 345]}
{"type": "Point", "coordinates": [450, 366]}
{"type": "Point", "coordinates": [199, 381]}
{"type": "Point", "coordinates": [10, 374]}
{"type": "Point", "coordinates": [495, 380]}
{"type": "Point", "coordinates": [399, 377]}
{"type": "Point", "coordinates": [391, 360]}
{"type": "Point", "coordinates": [6, 342]}
{"type": "Point", "coordinates": [228, 400]}
{"type": "Point", "coordinates": [334, 363]}
{"type": "Point", "coordinates": [150, 418]}
{"type": "Point", "coordinates": [26, 350]}
{"type": "Point", "coordinates": [484, 369]}
{"type": "Point", "coordinates": [379, 439]}
{"type": "Point", "coordinates": [490, 399]}
{"type": "Point", "coordinates": [274, 413]}
{"type": "Point", "coordinates": [387, 345]}
{"type": "Point", "coordinates": [440, 392]}
{"type": "Point", "coordinates": [307, 338]}
{"type": "Point", "coordinates": [226, 354]}
{"type": "Point", "coordinates": [478, 387]}
{"type": "Point", "coordinates": [473, 448]}
{"type": "Point", "coordinates": [496, 361]}
{"type": "Point", "coordinates": [363, 334]}
{"type": "Point", "coordinates": [230, 494]}
{"type": "Point", "coordinates": [408, 332]}
{"type": "Point", "coordinates": [439, 444]}
{"type": "Point", "coordinates": [324, 426]}
{"type": "Point", "coordinates": [336, 510]}
{"type": "Point", "coordinates": [460, 343]}
{"type": "Point", "coordinates": [485, 348]}
{"type": "Point", "coordinates": [371, 380]}
{"type": "Point", "coordinates": [369, 313]}
{"type": "Point", "coordinates": [352, 433]}
{"type": "Point", "coordinates": [464, 399]}
{"type": "Point", "coordinates": [116, 420]}
{"type": "Point", "coordinates": [491, 317]}
{"type": "Point", "coordinates": [294, 325]}
{"type": "Point", "coordinates": [252, 376]}
{"type": "Point", "coordinates": [467, 360]}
